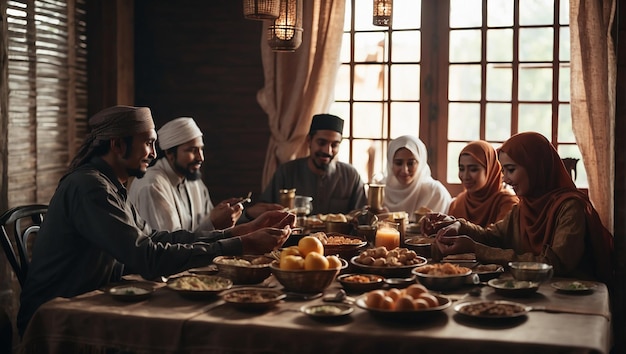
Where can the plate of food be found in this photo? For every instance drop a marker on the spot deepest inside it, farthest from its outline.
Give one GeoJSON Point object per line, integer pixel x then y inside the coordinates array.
{"type": "Point", "coordinates": [131, 292]}
{"type": "Point", "coordinates": [381, 305]}
{"type": "Point", "coordinates": [513, 288]}
{"type": "Point", "coordinates": [253, 299]}
{"type": "Point", "coordinates": [327, 311]}
{"type": "Point", "coordinates": [574, 286]}
{"type": "Point", "coordinates": [492, 309]}
{"type": "Point", "coordinates": [394, 263]}
{"type": "Point", "coordinates": [199, 286]}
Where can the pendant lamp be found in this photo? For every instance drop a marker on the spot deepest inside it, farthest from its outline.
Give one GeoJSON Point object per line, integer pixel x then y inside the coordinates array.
{"type": "Point", "coordinates": [382, 12]}
{"type": "Point", "coordinates": [284, 34]}
{"type": "Point", "coordinates": [261, 9]}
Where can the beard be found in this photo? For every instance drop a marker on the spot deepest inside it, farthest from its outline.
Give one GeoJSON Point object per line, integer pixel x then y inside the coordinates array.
{"type": "Point", "coordinates": [135, 172]}
{"type": "Point", "coordinates": [187, 173]}
{"type": "Point", "coordinates": [322, 166]}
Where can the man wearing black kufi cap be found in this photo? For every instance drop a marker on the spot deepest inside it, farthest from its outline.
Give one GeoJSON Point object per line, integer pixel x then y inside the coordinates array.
{"type": "Point", "coordinates": [91, 227]}
{"type": "Point", "coordinates": [336, 187]}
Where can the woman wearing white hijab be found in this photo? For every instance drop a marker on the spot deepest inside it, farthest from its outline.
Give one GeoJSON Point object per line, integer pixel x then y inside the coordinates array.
{"type": "Point", "coordinates": [409, 185]}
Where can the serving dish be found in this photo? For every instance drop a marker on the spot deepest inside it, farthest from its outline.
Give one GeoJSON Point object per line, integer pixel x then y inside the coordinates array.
{"type": "Point", "coordinates": [574, 286]}
{"type": "Point", "coordinates": [513, 288]}
{"type": "Point", "coordinates": [247, 269]}
{"type": "Point", "coordinates": [531, 271]}
{"type": "Point", "coordinates": [131, 292]}
{"type": "Point", "coordinates": [252, 299]}
{"type": "Point", "coordinates": [327, 311]}
{"type": "Point", "coordinates": [388, 271]}
{"type": "Point", "coordinates": [345, 246]}
{"type": "Point", "coordinates": [492, 309]}
{"type": "Point", "coordinates": [304, 281]}
{"type": "Point", "coordinates": [487, 272]}
{"type": "Point", "coordinates": [444, 303]}
{"type": "Point", "coordinates": [354, 282]}
{"type": "Point", "coordinates": [444, 276]}
{"type": "Point", "coordinates": [199, 286]}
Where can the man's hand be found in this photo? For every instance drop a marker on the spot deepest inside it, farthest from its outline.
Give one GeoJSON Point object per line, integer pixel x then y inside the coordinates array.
{"type": "Point", "coordinates": [274, 218]}
{"type": "Point", "coordinates": [226, 214]}
{"type": "Point", "coordinates": [264, 240]}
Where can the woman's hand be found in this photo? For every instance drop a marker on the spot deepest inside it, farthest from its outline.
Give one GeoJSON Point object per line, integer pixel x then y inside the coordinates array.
{"type": "Point", "coordinates": [454, 244]}
{"type": "Point", "coordinates": [431, 223]}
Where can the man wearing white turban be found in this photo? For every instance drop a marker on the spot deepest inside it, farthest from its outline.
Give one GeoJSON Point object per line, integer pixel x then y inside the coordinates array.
{"type": "Point", "coordinates": [91, 227]}
{"type": "Point", "coordinates": [171, 196]}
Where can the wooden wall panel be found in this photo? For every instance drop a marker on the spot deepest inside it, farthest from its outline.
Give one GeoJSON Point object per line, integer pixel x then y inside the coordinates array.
{"type": "Point", "coordinates": [202, 59]}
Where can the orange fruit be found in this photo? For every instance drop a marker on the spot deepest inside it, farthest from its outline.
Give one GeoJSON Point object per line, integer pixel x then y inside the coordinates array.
{"type": "Point", "coordinates": [333, 262]}
{"type": "Point", "coordinates": [291, 262]}
{"type": "Point", "coordinates": [309, 244]}
{"type": "Point", "coordinates": [394, 293]}
{"type": "Point", "coordinates": [415, 290]}
{"type": "Point", "coordinates": [315, 261]}
{"type": "Point", "coordinates": [404, 303]}
{"type": "Point", "coordinates": [431, 299]}
{"type": "Point", "coordinates": [374, 299]}
{"type": "Point", "coordinates": [290, 251]}
{"type": "Point", "coordinates": [420, 304]}
{"type": "Point", "coordinates": [387, 303]}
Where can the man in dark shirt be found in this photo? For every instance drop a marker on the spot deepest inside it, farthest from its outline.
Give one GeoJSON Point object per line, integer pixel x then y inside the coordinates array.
{"type": "Point", "coordinates": [90, 225]}
{"type": "Point", "coordinates": [336, 187]}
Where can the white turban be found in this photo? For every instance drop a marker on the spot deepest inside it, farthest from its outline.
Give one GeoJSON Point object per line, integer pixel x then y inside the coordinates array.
{"type": "Point", "coordinates": [177, 132]}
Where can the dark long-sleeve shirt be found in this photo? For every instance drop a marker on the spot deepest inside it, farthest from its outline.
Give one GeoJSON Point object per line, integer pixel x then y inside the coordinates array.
{"type": "Point", "coordinates": [90, 225]}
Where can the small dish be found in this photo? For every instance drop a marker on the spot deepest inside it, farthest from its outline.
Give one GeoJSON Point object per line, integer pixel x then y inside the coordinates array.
{"type": "Point", "coordinates": [388, 271]}
{"type": "Point", "coordinates": [360, 282]}
{"type": "Point", "coordinates": [253, 299]}
{"type": "Point", "coordinates": [513, 288]}
{"type": "Point", "coordinates": [199, 286]}
{"type": "Point", "coordinates": [327, 311]}
{"type": "Point", "coordinates": [486, 272]}
{"type": "Point", "coordinates": [492, 309]}
{"type": "Point", "coordinates": [575, 286]}
{"type": "Point", "coordinates": [400, 283]}
{"type": "Point", "coordinates": [131, 292]}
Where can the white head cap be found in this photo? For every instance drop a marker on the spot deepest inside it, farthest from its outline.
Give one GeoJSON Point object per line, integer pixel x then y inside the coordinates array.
{"type": "Point", "coordinates": [177, 132]}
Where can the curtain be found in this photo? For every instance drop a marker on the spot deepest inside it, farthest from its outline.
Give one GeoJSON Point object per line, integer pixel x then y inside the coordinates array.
{"type": "Point", "coordinates": [593, 82]}
{"type": "Point", "coordinates": [300, 84]}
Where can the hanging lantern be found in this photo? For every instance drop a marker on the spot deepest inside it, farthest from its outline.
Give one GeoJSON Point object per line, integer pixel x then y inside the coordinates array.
{"type": "Point", "coordinates": [382, 12]}
{"type": "Point", "coordinates": [261, 9]}
{"type": "Point", "coordinates": [284, 34]}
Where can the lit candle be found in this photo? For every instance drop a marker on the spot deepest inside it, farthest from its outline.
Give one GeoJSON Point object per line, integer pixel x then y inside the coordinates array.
{"type": "Point", "coordinates": [388, 237]}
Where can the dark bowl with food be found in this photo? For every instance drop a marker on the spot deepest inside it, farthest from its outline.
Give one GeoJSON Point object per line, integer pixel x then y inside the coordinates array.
{"type": "Point", "coordinates": [436, 277]}
{"type": "Point", "coordinates": [486, 272]}
{"type": "Point", "coordinates": [360, 283]}
{"type": "Point", "coordinates": [247, 269]}
{"type": "Point", "coordinates": [253, 299]}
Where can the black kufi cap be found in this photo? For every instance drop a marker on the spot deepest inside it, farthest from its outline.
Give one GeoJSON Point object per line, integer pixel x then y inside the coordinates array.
{"type": "Point", "coordinates": [327, 122]}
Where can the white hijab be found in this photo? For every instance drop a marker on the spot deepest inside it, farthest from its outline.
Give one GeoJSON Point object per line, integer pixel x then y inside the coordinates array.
{"type": "Point", "coordinates": [424, 191]}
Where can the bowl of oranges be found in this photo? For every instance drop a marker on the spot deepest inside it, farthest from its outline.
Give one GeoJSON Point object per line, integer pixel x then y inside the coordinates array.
{"type": "Point", "coordinates": [304, 268]}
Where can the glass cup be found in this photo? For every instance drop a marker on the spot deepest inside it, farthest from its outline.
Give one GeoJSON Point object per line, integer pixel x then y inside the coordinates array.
{"type": "Point", "coordinates": [287, 198]}
{"type": "Point", "coordinates": [387, 235]}
{"type": "Point", "coordinates": [303, 206]}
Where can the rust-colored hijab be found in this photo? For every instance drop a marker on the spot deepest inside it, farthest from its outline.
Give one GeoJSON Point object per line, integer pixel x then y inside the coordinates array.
{"type": "Point", "coordinates": [483, 206]}
{"type": "Point", "coordinates": [550, 185]}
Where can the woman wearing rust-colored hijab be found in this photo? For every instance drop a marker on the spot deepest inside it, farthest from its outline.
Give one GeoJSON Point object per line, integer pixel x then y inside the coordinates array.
{"type": "Point", "coordinates": [484, 200]}
{"type": "Point", "coordinates": [553, 222]}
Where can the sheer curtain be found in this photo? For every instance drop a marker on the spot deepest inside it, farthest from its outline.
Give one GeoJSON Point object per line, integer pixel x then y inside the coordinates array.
{"type": "Point", "coordinates": [593, 75]}
{"type": "Point", "coordinates": [300, 84]}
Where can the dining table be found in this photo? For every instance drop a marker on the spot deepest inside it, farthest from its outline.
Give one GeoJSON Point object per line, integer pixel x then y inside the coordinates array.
{"type": "Point", "coordinates": [166, 322]}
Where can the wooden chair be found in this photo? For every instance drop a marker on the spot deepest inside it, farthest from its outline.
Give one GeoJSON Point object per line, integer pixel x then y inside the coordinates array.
{"type": "Point", "coordinates": [18, 225]}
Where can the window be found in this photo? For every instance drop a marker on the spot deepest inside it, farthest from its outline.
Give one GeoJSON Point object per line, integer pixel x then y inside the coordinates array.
{"type": "Point", "coordinates": [453, 71]}
{"type": "Point", "coordinates": [47, 94]}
